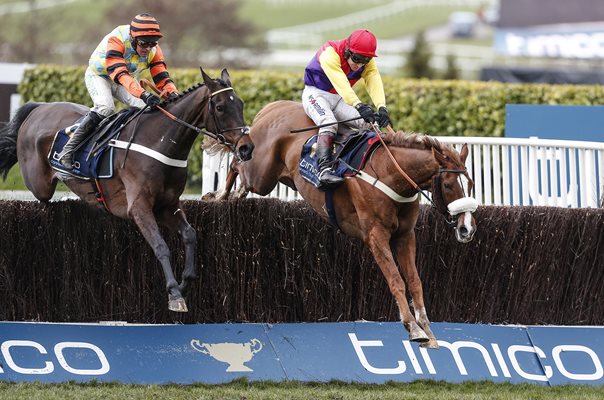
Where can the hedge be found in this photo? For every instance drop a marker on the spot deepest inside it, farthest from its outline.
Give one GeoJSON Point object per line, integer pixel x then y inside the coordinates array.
{"type": "Point", "coordinates": [265, 260]}
{"type": "Point", "coordinates": [436, 107]}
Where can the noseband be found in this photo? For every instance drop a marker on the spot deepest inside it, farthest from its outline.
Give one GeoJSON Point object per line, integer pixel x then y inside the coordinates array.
{"type": "Point", "coordinates": [465, 204]}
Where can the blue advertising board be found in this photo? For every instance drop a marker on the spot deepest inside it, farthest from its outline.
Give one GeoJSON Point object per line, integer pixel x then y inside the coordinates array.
{"type": "Point", "coordinates": [558, 122]}
{"type": "Point", "coordinates": [353, 352]}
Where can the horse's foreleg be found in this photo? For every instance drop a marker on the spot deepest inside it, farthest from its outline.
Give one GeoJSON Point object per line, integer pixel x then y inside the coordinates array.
{"type": "Point", "coordinates": [378, 242]}
{"type": "Point", "coordinates": [405, 252]}
{"type": "Point", "coordinates": [228, 186]}
{"type": "Point", "coordinates": [176, 221]}
{"type": "Point", "coordinates": [140, 212]}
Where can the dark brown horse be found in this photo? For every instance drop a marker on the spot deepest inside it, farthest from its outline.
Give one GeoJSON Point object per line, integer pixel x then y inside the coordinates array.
{"type": "Point", "coordinates": [383, 215]}
{"type": "Point", "coordinates": [147, 186]}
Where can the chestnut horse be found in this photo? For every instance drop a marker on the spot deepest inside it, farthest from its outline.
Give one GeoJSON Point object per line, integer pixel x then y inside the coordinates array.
{"type": "Point", "coordinates": [384, 214]}
{"type": "Point", "coordinates": [146, 186]}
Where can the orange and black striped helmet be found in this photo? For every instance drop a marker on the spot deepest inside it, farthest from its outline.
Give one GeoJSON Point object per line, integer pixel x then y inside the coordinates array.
{"type": "Point", "coordinates": [144, 25]}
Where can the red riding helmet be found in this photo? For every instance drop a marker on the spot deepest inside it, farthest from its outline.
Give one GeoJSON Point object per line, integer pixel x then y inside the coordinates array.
{"type": "Point", "coordinates": [144, 25]}
{"type": "Point", "coordinates": [362, 42]}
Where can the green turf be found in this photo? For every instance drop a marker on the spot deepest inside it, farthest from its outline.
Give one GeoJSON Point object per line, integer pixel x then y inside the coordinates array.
{"type": "Point", "coordinates": [241, 390]}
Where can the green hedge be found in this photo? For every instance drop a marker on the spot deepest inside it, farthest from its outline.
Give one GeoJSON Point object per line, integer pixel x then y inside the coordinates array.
{"type": "Point", "coordinates": [436, 107]}
{"type": "Point", "coordinates": [452, 108]}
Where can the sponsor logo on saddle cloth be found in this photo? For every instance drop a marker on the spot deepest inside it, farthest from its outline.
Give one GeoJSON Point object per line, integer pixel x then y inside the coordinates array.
{"type": "Point", "coordinates": [86, 166]}
{"type": "Point", "coordinates": [349, 159]}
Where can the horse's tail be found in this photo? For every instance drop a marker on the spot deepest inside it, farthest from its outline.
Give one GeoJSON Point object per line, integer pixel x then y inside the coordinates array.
{"type": "Point", "coordinates": [8, 138]}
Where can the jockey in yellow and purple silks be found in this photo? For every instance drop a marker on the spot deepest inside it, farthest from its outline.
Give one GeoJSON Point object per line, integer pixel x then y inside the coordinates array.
{"type": "Point", "coordinates": [112, 71]}
{"type": "Point", "coordinates": [328, 96]}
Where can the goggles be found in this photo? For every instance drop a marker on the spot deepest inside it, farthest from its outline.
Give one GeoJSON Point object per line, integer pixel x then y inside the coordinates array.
{"type": "Point", "coordinates": [146, 44]}
{"type": "Point", "coordinates": [359, 58]}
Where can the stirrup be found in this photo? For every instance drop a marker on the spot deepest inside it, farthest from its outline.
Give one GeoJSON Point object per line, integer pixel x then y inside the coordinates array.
{"type": "Point", "coordinates": [328, 177]}
{"type": "Point", "coordinates": [66, 160]}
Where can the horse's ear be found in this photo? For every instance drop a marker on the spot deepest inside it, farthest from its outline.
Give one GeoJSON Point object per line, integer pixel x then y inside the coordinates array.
{"type": "Point", "coordinates": [463, 154]}
{"type": "Point", "coordinates": [206, 78]}
{"type": "Point", "coordinates": [226, 77]}
{"type": "Point", "coordinates": [440, 157]}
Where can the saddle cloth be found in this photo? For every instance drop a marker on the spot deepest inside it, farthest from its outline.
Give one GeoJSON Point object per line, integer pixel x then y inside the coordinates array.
{"type": "Point", "coordinates": [354, 154]}
{"type": "Point", "coordinates": [87, 166]}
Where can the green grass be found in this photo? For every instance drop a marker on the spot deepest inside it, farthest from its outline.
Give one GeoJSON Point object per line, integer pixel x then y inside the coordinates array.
{"type": "Point", "coordinates": [267, 14]}
{"type": "Point", "coordinates": [240, 390]}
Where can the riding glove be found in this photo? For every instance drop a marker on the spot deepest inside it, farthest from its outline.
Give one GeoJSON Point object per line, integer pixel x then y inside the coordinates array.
{"type": "Point", "coordinates": [150, 99]}
{"type": "Point", "coordinates": [384, 117]}
{"type": "Point", "coordinates": [172, 96]}
{"type": "Point", "coordinates": [366, 112]}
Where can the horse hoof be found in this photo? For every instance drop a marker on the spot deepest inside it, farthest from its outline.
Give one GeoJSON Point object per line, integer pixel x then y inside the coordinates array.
{"type": "Point", "coordinates": [418, 335]}
{"type": "Point", "coordinates": [210, 196]}
{"type": "Point", "coordinates": [430, 344]}
{"type": "Point", "coordinates": [177, 305]}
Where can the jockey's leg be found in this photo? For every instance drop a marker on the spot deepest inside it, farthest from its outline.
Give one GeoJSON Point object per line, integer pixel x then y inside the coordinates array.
{"type": "Point", "coordinates": [318, 105]}
{"type": "Point", "coordinates": [90, 121]}
{"type": "Point", "coordinates": [324, 156]}
{"type": "Point", "coordinates": [344, 112]}
{"type": "Point", "coordinates": [99, 89]}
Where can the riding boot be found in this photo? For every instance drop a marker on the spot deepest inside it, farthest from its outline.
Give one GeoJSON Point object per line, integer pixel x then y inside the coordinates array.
{"type": "Point", "coordinates": [324, 156]}
{"type": "Point", "coordinates": [90, 121]}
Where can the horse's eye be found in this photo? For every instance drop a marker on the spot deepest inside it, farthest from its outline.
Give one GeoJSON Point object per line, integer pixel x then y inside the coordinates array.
{"type": "Point", "coordinates": [220, 108]}
{"type": "Point", "coordinates": [448, 186]}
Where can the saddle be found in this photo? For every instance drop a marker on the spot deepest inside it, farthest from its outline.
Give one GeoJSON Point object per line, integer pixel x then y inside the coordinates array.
{"type": "Point", "coordinates": [350, 156]}
{"type": "Point", "coordinates": [93, 158]}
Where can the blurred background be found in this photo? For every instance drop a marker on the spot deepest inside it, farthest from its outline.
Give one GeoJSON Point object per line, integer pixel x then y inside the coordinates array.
{"type": "Point", "coordinates": [536, 40]}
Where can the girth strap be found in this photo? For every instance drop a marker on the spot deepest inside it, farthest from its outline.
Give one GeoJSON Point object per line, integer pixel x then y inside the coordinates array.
{"type": "Point", "coordinates": [120, 144]}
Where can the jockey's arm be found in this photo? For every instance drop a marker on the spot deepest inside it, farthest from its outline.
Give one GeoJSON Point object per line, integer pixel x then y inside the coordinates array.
{"type": "Point", "coordinates": [373, 84]}
{"type": "Point", "coordinates": [330, 63]}
{"type": "Point", "coordinates": [159, 72]}
{"type": "Point", "coordinates": [117, 69]}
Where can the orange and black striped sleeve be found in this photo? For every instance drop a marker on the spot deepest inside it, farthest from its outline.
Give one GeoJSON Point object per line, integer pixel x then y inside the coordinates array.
{"type": "Point", "coordinates": [159, 72]}
{"type": "Point", "coordinates": [117, 68]}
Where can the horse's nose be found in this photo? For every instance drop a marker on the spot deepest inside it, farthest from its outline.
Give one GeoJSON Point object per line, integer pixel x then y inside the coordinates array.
{"type": "Point", "coordinates": [245, 151]}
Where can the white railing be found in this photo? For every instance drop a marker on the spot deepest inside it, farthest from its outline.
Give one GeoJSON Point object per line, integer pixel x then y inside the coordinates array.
{"type": "Point", "coordinates": [506, 171]}
{"type": "Point", "coordinates": [312, 32]}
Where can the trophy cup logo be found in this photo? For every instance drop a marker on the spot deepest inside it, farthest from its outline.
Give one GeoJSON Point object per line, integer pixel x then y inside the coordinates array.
{"type": "Point", "coordinates": [234, 354]}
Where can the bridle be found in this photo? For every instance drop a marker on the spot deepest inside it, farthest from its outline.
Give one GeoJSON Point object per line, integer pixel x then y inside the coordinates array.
{"type": "Point", "coordinates": [438, 197]}
{"type": "Point", "coordinates": [245, 130]}
{"type": "Point", "coordinates": [465, 204]}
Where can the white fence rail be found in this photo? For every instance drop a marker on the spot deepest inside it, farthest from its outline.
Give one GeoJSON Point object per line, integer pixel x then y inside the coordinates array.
{"type": "Point", "coordinates": [506, 171]}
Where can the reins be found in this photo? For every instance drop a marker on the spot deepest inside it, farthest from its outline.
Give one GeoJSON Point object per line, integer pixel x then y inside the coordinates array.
{"type": "Point", "coordinates": [439, 204]}
{"type": "Point", "coordinates": [219, 136]}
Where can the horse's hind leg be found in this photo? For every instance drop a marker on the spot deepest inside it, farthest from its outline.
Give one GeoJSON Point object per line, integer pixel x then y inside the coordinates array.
{"type": "Point", "coordinates": [405, 250]}
{"type": "Point", "coordinates": [140, 211]}
{"type": "Point", "coordinates": [378, 241]}
{"type": "Point", "coordinates": [176, 221]}
{"type": "Point", "coordinates": [39, 178]}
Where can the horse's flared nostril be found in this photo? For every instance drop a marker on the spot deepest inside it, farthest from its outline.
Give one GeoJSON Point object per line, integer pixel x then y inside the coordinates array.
{"type": "Point", "coordinates": [245, 151]}
{"type": "Point", "coordinates": [463, 231]}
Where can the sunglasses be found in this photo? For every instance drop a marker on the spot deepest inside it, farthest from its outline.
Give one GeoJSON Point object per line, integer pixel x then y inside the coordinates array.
{"type": "Point", "coordinates": [146, 44]}
{"type": "Point", "coordinates": [359, 59]}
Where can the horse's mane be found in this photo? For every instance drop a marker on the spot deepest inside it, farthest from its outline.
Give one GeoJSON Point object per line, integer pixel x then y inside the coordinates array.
{"type": "Point", "coordinates": [419, 141]}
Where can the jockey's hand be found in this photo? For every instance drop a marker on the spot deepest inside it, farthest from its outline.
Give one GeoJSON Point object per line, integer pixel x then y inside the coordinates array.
{"type": "Point", "coordinates": [172, 96]}
{"type": "Point", "coordinates": [383, 117]}
{"type": "Point", "coordinates": [150, 99]}
{"type": "Point", "coordinates": [366, 112]}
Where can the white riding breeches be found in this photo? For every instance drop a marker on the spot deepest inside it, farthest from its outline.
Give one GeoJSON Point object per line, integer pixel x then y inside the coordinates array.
{"type": "Point", "coordinates": [324, 108]}
{"type": "Point", "coordinates": [102, 91]}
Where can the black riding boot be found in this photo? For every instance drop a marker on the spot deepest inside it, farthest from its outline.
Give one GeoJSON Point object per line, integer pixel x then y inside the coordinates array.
{"type": "Point", "coordinates": [324, 160]}
{"type": "Point", "coordinates": [90, 121]}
